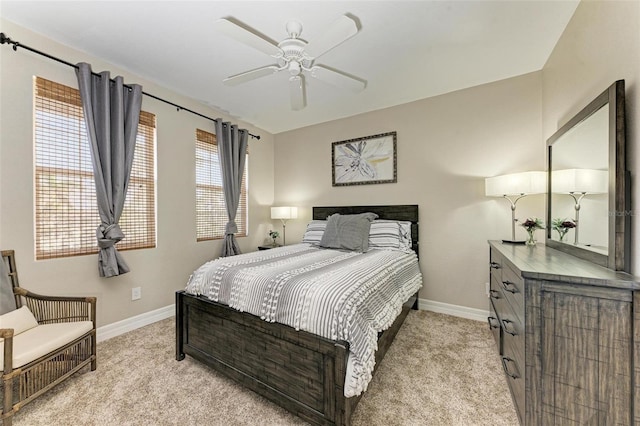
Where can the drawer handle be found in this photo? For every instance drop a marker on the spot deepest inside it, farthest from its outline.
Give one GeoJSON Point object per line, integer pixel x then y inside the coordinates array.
{"type": "Point", "coordinates": [494, 265]}
{"type": "Point", "coordinates": [505, 362]}
{"type": "Point", "coordinates": [494, 294]}
{"type": "Point", "coordinates": [493, 322]}
{"type": "Point", "coordinates": [510, 287]}
{"type": "Point", "coordinates": [508, 327]}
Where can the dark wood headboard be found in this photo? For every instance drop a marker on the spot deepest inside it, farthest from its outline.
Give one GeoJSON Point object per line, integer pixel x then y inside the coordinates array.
{"type": "Point", "coordinates": [408, 212]}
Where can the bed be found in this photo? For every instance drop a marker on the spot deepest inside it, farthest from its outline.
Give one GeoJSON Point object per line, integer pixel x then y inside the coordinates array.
{"type": "Point", "coordinates": [298, 370]}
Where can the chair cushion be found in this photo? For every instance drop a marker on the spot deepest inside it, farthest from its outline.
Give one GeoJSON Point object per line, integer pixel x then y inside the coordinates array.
{"type": "Point", "coordinates": [39, 341]}
{"type": "Point", "coordinates": [20, 320]}
{"type": "Point", "coordinates": [7, 300]}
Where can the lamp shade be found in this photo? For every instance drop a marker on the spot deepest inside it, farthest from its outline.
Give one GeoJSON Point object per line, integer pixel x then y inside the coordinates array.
{"type": "Point", "coordinates": [588, 181]}
{"type": "Point", "coordinates": [284, 212]}
{"type": "Point", "coordinates": [516, 184]}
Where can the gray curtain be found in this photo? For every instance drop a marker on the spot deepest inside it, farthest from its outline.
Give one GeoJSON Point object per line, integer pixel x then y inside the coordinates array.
{"type": "Point", "coordinates": [112, 113]}
{"type": "Point", "coordinates": [232, 147]}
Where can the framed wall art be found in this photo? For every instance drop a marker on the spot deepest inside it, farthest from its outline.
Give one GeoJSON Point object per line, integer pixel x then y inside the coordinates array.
{"type": "Point", "coordinates": [363, 161]}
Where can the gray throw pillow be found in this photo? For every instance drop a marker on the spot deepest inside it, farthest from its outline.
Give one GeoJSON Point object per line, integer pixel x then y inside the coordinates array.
{"type": "Point", "coordinates": [7, 300]}
{"type": "Point", "coordinates": [348, 232]}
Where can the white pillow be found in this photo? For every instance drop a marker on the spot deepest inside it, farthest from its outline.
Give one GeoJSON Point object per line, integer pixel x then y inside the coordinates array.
{"type": "Point", "coordinates": [384, 234]}
{"type": "Point", "coordinates": [390, 235]}
{"type": "Point", "coordinates": [314, 232]}
{"type": "Point", "coordinates": [405, 235]}
{"type": "Point", "coordinates": [20, 320]}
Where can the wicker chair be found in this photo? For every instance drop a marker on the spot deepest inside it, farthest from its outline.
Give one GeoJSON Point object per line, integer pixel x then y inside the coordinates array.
{"type": "Point", "coordinates": [23, 383]}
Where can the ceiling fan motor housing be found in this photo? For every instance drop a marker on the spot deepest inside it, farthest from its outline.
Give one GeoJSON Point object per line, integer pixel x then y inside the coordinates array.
{"type": "Point", "coordinates": [293, 55]}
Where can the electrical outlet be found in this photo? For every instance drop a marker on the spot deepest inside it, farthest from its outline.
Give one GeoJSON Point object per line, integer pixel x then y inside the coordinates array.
{"type": "Point", "coordinates": [136, 293]}
{"type": "Point", "coordinates": [486, 289]}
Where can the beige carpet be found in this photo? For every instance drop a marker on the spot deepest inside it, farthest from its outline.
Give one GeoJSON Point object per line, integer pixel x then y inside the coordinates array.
{"type": "Point", "coordinates": [441, 370]}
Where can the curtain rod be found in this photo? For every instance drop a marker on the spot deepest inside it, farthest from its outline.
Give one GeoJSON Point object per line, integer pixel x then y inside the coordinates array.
{"type": "Point", "coordinates": [4, 40]}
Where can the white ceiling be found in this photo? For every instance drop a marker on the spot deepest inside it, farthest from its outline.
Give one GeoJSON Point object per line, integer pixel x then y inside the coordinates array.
{"type": "Point", "coordinates": [406, 50]}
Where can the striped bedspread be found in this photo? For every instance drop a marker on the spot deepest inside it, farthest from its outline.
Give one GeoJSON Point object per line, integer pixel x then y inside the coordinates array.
{"type": "Point", "coordinates": [335, 294]}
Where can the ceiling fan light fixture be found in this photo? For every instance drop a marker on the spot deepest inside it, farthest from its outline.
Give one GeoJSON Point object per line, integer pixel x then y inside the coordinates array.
{"type": "Point", "coordinates": [294, 68]}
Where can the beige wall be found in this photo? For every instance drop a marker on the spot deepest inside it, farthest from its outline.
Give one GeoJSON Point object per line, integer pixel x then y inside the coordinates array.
{"type": "Point", "coordinates": [447, 145]}
{"type": "Point", "coordinates": [600, 45]}
{"type": "Point", "coordinates": [160, 271]}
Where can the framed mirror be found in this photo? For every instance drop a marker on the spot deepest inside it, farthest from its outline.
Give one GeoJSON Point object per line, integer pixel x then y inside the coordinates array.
{"type": "Point", "coordinates": [588, 199]}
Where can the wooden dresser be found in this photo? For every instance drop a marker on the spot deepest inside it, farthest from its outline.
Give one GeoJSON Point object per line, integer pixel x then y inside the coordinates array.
{"type": "Point", "coordinates": [568, 333]}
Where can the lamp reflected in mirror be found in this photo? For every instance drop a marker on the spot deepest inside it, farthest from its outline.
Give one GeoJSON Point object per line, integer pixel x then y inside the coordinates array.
{"type": "Point", "coordinates": [579, 183]}
{"type": "Point", "coordinates": [513, 187]}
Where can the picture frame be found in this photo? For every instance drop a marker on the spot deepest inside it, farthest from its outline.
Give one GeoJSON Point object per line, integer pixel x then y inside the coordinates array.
{"type": "Point", "coordinates": [365, 161]}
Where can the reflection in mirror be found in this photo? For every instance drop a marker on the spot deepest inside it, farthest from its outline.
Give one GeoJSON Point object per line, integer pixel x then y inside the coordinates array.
{"type": "Point", "coordinates": [587, 194]}
{"type": "Point", "coordinates": [580, 179]}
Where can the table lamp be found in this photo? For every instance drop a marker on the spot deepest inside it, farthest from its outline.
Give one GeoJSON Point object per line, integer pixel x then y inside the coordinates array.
{"type": "Point", "coordinates": [284, 214]}
{"type": "Point", "coordinates": [513, 187]}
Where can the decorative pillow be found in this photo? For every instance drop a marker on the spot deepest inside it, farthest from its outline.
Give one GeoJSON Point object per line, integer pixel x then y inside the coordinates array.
{"type": "Point", "coordinates": [405, 235]}
{"type": "Point", "coordinates": [314, 232]}
{"type": "Point", "coordinates": [390, 235]}
{"type": "Point", "coordinates": [7, 300]}
{"type": "Point", "coordinates": [384, 234]}
{"type": "Point", "coordinates": [349, 232]}
{"type": "Point", "coordinates": [20, 320]}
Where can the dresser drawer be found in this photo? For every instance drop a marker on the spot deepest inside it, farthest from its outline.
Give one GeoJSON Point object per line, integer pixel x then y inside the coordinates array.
{"type": "Point", "coordinates": [495, 265]}
{"type": "Point", "coordinates": [500, 304]}
{"type": "Point", "coordinates": [512, 334]}
{"type": "Point", "coordinates": [495, 294]}
{"type": "Point", "coordinates": [513, 366]}
{"type": "Point", "coordinates": [494, 326]}
{"type": "Point", "coordinates": [512, 286]}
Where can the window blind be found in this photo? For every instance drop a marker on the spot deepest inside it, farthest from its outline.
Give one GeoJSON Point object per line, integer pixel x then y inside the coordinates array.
{"type": "Point", "coordinates": [66, 214]}
{"type": "Point", "coordinates": [211, 211]}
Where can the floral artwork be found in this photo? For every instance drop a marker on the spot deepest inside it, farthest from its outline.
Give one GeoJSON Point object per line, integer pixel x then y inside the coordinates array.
{"type": "Point", "coordinates": [367, 160]}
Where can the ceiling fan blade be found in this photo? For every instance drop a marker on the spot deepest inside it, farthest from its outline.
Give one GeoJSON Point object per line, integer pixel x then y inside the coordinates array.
{"type": "Point", "coordinates": [338, 78]}
{"type": "Point", "coordinates": [250, 75]}
{"type": "Point", "coordinates": [248, 36]}
{"type": "Point", "coordinates": [341, 30]}
{"type": "Point", "coordinates": [297, 92]}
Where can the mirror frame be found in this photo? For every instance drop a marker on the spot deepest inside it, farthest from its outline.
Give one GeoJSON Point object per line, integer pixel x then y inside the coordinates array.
{"type": "Point", "coordinates": [619, 239]}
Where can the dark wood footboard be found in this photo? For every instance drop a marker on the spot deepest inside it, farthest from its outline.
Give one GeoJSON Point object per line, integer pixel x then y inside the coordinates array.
{"type": "Point", "coordinates": [302, 372]}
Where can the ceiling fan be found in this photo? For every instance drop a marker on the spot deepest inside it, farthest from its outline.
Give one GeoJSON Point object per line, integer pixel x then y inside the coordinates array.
{"type": "Point", "coordinates": [296, 56]}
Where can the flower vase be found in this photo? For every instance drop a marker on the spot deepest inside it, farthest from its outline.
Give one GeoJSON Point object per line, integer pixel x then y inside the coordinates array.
{"type": "Point", "coordinates": [531, 239]}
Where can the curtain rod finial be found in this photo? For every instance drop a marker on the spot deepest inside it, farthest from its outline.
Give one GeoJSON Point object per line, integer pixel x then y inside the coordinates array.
{"type": "Point", "coordinates": [4, 39]}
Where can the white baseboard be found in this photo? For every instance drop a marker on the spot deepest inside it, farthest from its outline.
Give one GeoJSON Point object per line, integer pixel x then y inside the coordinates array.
{"type": "Point", "coordinates": [130, 324]}
{"type": "Point", "coordinates": [455, 310]}
{"type": "Point", "coordinates": [117, 328]}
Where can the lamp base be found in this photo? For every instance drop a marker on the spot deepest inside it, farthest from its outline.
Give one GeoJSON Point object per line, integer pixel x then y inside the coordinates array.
{"type": "Point", "coordinates": [513, 241]}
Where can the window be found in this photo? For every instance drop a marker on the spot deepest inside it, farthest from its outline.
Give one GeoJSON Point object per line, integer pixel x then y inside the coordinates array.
{"type": "Point", "coordinates": [211, 210]}
{"type": "Point", "coordinates": [66, 214]}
